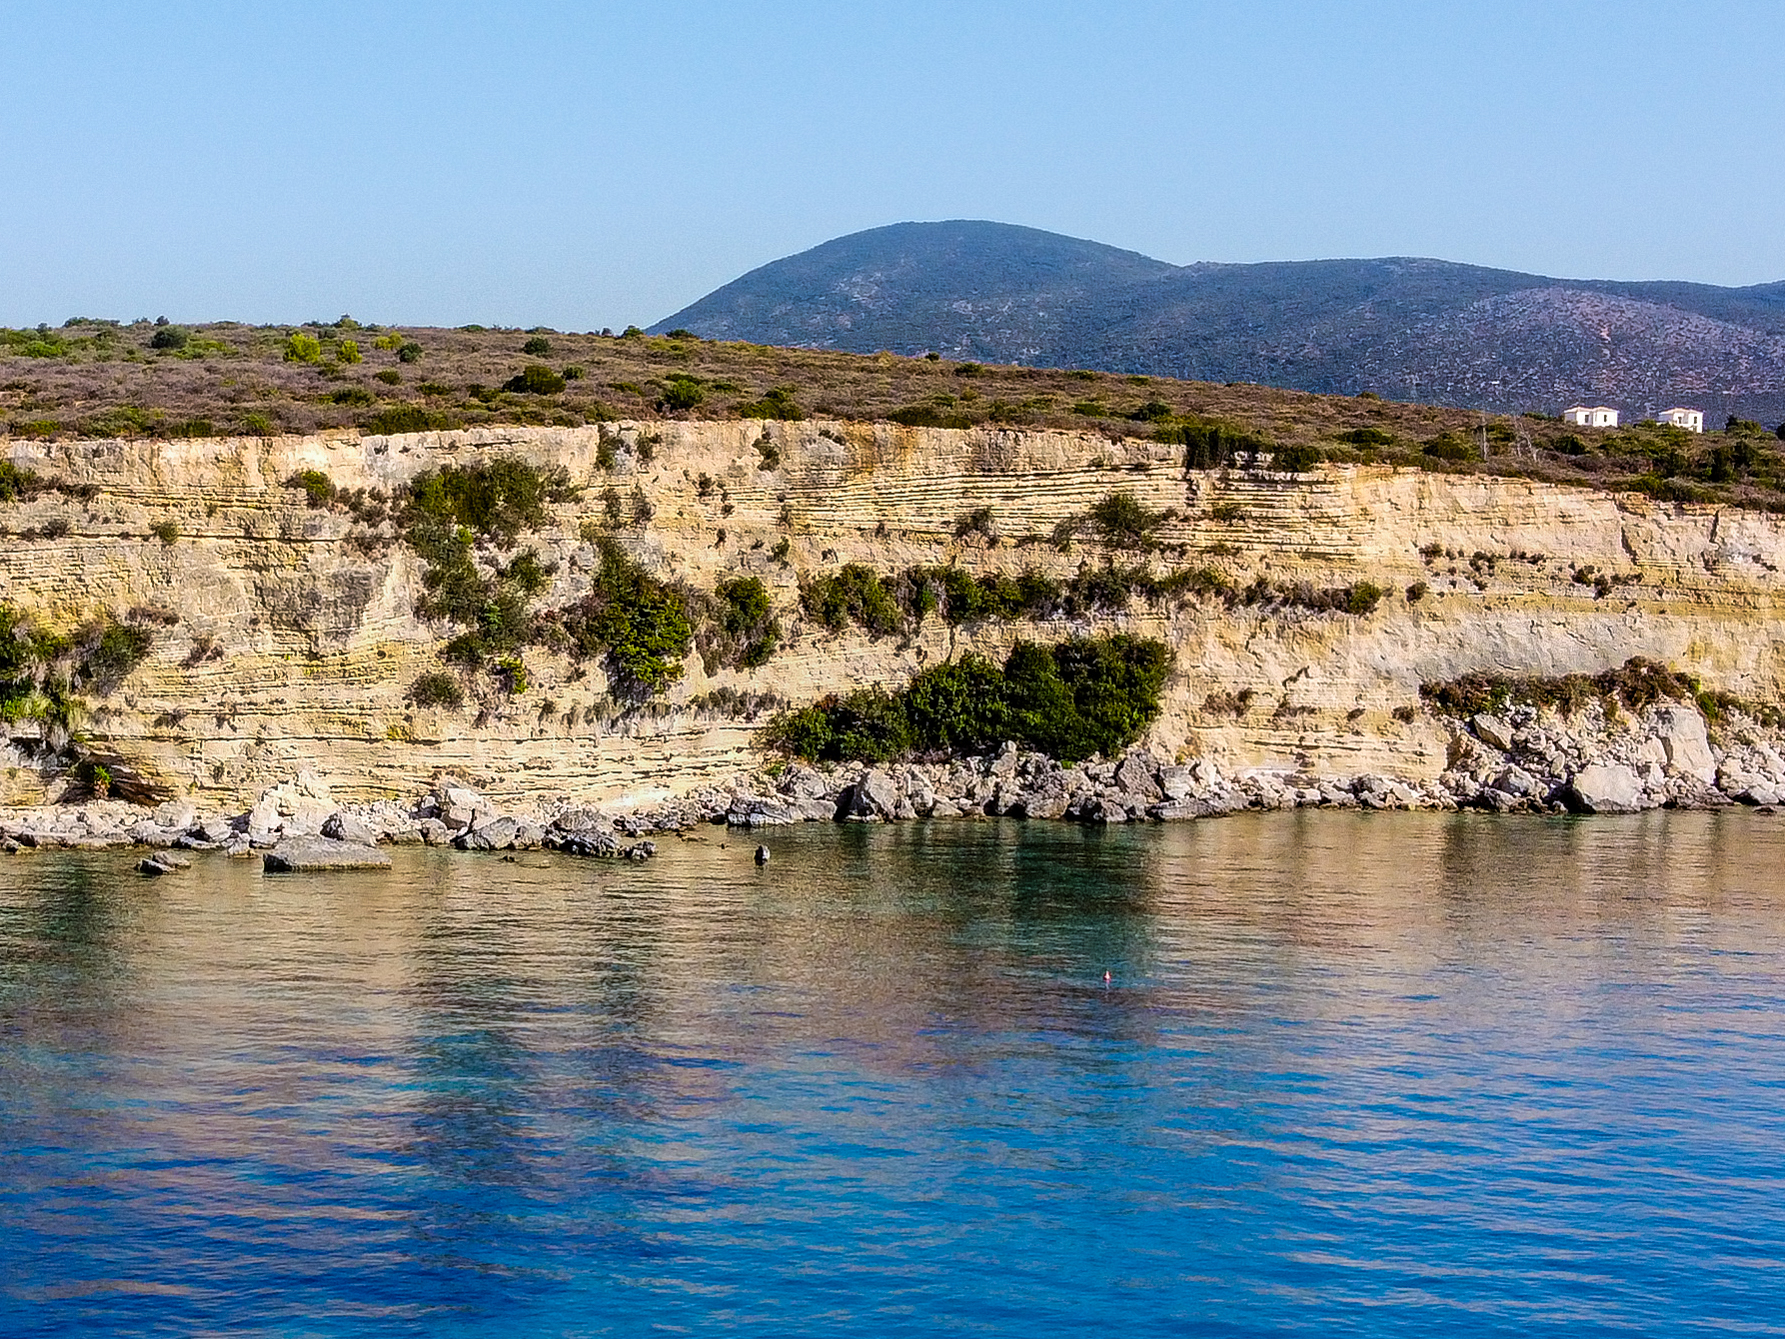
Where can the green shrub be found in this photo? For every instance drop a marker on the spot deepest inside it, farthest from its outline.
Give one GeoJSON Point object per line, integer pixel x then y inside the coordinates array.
{"type": "Point", "coordinates": [302, 348]}
{"type": "Point", "coordinates": [640, 626]}
{"type": "Point", "coordinates": [537, 347]}
{"type": "Point", "coordinates": [170, 337]}
{"type": "Point", "coordinates": [928, 416]}
{"type": "Point", "coordinates": [854, 594]}
{"type": "Point", "coordinates": [1077, 698]}
{"type": "Point", "coordinates": [16, 483]}
{"type": "Point", "coordinates": [353, 395]}
{"type": "Point", "coordinates": [391, 377]}
{"type": "Point", "coordinates": [317, 486]}
{"type": "Point", "coordinates": [1297, 458]}
{"type": "Point", "coordinates": [109, 651]}
{"type": "Point", "coordinates": [777, 403]}
{"type": "Point", "coordinates": [168, 532]}
{"type": "Point", "coordinates": [437, 689]}
{"type": "Point", "coordinates": [347, 353]}
{"type": "Point", "coordinates": [511, 671]}
{"type": "Point", "coordinates": [1448, 446]}
{"type": "Point", "coordinates": [1366, 436]}
{"type": "Point", "coordinates": [1636, 684]}
{"type": "Point", "coordinates": [1211, 446]}
{"type": "Point", "coordinates": [1117, 519]}
{"type": "Point", "coordinates": [1153, 411]}
{"type": "Point", "coordinates": [680, 393]}
{"type": "Point", "coordinates": [402, 418]}
{"type": "Point", "coordinates": [497, 500]}
{"type": "Point", "coordinates": [536, 379]}
{"type": "Point", "coordinates": [409, 353]}
{"type": "Point", "coordinates": [746, 631]}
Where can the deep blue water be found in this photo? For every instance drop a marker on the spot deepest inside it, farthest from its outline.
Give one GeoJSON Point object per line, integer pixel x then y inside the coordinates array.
{"type": "Point", "coordinates": [1351, 1074]}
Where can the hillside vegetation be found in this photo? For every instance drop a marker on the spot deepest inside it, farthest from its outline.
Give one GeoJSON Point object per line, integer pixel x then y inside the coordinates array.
{"type": "Point", "coordinates": [96, 379]}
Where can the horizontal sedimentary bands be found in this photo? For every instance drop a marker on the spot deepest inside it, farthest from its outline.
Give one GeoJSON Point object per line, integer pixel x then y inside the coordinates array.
{"type": "Point", "coordinates": [298, 641]}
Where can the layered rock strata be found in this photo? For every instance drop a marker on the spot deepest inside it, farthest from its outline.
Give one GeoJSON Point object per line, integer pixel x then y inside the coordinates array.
{"type": "Point", "coordinates": [297, 639]}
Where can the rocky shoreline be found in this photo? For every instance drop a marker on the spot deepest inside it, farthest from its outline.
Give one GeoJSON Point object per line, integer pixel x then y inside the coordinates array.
{"type": "Point", "coordinates": [1521, 759]}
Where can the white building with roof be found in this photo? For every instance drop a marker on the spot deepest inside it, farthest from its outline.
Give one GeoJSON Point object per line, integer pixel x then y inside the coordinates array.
{"type": "Point", "coordinates": [1692, 420]}
{"type": "Point", "coordinates": [1591, 416]}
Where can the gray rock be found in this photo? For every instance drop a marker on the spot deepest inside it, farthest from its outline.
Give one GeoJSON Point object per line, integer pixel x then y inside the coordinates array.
{"type": "Point", "coordinates": [147, 833]}
{"type": "Point", "coordinates": [1493, 731]}
{"type": "Point", "coordinates": [759, 811]}
{"type": "Point", "coordinates": [1516, 781]}
{"type": "Point", "coordinates": [434, 832]}
{"type": "Point", "coordinates": [1177, 782]}
{"type": "Point", "coordinates": [310, 855]}
{"type": "Point", "coordinates": [1604, 788]}
{"type": "Point", "coordinates": [874, 797]}
{"type": "Point", "coordinates": [529, 836]}
{"type": "Point", "coordinates": [154, 867]}
{"type": "Point", "coordinates": [803, 783]}
{"type": "Point", "coordinates": [818, 809]}
{"type": "Point", "coordinates": [1137, 775]}
{"type": "Point", "coordinates": [175, 815]}
{"type": "Point", "coordinates": [344, 827]}
{"type": "Point", "coordinates": [1688, 749]}
{"type": "Point", "coordinates": [494, 834]}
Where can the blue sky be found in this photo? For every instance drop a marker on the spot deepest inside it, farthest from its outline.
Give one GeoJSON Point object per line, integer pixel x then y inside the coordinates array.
{"type": "Point", "coordinates": [582, 165]}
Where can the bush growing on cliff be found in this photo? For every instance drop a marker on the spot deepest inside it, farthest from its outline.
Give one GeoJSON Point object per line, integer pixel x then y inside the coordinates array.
{"type": "Point", "coordinates": [318, 488]}
{"type": "Point", "coordinates": [639, 625]}
{"type": "Point", "coordinates": [742, 631]}
{"type": "Point", "coordinates": [1634, 685]}
{"type": "Point", "coordinates": [437, 689]}
{"type": "Point", "coordinates": [1080, 697]}
{"type": "Point", "coordinates": [1117, 520]}
{"type": "Point", "coordinates": [16, 483]}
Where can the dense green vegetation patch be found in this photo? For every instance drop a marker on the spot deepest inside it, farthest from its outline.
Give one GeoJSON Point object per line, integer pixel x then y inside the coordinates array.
{"type": "Point", "coordinates": [641, 627]}
{"type": "Point", "coordinates": [1083, 696]}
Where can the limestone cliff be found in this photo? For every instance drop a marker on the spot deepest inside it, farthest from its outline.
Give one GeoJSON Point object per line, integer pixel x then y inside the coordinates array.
{"type": "Point", "coordinates": [296, 645]}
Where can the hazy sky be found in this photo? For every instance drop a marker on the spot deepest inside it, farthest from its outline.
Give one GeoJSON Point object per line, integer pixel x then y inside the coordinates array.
{"type": "Point", "coordinates": [581, 165]}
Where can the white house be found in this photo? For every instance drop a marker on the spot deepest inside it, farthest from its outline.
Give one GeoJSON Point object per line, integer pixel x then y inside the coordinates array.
{"type": "Point", "coordinates": [1595, 416]}
{"type": "Point", "coordinates": [1692, 420]}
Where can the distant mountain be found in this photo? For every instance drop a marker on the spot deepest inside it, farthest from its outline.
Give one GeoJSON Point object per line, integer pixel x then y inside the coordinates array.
{"type": "Point", "coordinates": [1404, 328]}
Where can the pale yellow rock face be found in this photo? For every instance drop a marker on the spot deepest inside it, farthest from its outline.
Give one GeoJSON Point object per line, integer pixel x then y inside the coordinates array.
{"type": "Point", "coordinates": [295, 651]}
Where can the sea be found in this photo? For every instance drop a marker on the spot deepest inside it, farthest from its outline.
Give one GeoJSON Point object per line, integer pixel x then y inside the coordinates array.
{"type": "Point", "coordinates": [1309, 1073]}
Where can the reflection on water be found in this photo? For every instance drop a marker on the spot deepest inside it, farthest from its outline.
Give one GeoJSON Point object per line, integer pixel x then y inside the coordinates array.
{"type": "Point", "coordinates": [1351, 1074]}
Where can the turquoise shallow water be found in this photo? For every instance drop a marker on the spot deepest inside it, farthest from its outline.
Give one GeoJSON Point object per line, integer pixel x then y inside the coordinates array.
{"type": "Point", "coordinates": [1350, 1074]}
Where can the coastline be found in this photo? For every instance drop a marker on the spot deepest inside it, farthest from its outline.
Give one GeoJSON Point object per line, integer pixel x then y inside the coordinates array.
{"type": "Point", "coordinates": [1520, 759]}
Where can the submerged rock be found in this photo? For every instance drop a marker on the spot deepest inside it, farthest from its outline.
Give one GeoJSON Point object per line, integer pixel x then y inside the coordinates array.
{"type": "Point", "coordinates": [308, 855]}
